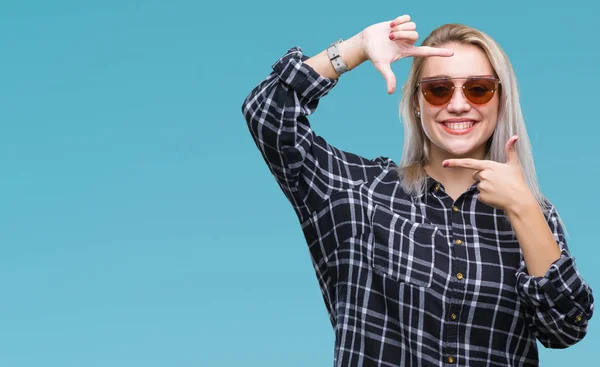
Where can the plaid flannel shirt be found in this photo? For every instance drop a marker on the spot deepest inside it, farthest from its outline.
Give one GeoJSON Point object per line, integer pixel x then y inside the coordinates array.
{"type": "Point", "coordinates": [408, 281]}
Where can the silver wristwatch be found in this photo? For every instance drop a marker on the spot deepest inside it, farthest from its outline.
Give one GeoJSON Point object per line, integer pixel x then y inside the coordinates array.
{"type": "Point", "coordinates": [334, 55]}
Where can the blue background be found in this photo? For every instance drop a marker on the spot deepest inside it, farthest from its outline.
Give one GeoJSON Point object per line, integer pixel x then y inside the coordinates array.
{"type": "Point", "coordinates": [139, 225]}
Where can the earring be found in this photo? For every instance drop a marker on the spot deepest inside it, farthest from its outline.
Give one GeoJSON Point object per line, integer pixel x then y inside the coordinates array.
{"type": "Point", "coordinates": [418, 114]}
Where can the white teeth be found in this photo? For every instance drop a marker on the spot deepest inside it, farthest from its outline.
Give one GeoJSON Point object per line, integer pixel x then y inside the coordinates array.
{"type": "Point", "coordinates": [459, 125]}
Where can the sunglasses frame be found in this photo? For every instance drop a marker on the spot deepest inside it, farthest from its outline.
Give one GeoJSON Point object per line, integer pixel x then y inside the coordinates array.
{"type": "Point", "coordinates": [497, 86]}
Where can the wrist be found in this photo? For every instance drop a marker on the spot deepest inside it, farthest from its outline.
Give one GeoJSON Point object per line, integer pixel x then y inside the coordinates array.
{"type": "Point", "coordinates": [523, 206]}
{"type": "Point", "coordinates": [352, 51]}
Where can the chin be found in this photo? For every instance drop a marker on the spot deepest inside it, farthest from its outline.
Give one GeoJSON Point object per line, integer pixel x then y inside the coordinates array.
{"type": "Point", "coordinates": [461, 151]}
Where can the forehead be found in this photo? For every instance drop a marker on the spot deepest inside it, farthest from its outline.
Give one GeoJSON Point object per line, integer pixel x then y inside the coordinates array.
{"type": "Point", "coordinates": [467, 60]}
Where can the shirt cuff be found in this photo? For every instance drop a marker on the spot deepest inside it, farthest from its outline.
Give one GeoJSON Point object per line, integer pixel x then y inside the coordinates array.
{"type": "Point", "coordinates": [292, 70]}
{"type": "Point", "coordinates": [561, 288]}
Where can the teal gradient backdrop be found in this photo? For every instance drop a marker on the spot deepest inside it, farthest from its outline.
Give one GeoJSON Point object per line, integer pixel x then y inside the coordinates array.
{"type": "Point", "coordinates": [139, 224]}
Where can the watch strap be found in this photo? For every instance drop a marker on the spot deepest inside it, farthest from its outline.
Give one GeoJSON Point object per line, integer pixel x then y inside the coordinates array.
{"type": "Point", "coordinates": [336, 60]}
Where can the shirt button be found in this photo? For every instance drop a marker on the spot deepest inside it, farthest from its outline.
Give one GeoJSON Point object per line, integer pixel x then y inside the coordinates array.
{"type": "Point", "coordinates": [451, 360]}
{"type": "Point", "coordinates": [578, 318]}
{"type": "Point", "coordinates": [453, 316]}
{"type": "Point", "coordinates": [455, 208]}
{"type": "Point", "coordinates": [437, 187]}
{"type": "Point", "coordinates": [458, 242]}
{"type": "Point", "coordinates": [459, 276]}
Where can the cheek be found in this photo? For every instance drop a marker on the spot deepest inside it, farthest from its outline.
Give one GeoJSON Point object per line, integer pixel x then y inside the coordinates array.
{"type": "Point", "coordinates": [490, 114]}
{"type": "Point", "coordinates": [428, 112]}
{"type": "Point", "coordinates": [428, 116]}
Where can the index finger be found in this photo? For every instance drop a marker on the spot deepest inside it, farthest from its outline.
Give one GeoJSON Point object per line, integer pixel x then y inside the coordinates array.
{"type": "Point", "coordinates": [475, 164]}
{"type": "Point", "coordinates": [399, 20]}
{"type": "Point", "coordinates": [428, 51]}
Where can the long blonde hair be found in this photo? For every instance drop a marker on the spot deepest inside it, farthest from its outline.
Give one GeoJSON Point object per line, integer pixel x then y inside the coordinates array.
{"type": "Point", "coordinates": [510, 118]}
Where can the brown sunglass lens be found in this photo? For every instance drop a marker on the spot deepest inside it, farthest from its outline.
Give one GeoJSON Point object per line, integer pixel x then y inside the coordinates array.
{"type": "Point", "coordinates": [479, 91]}
{"type": "Point", "coordinates": [439, 92]}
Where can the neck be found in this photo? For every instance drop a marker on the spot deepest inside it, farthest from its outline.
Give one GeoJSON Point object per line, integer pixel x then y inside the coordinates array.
{"type": "Point", "coordinates": [455, 180]}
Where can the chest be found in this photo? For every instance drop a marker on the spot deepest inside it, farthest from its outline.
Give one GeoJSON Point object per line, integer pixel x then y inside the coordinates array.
{"type": "Point", "coordinates": [432, 242]}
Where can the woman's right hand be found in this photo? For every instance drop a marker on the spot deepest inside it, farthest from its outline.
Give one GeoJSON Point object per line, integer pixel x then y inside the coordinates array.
{"type": "Point", "coordinates": [387, 42]}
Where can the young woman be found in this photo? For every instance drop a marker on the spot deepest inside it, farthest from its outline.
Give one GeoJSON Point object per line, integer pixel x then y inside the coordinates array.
{"type": "Point", "coordinates": [452, 257]}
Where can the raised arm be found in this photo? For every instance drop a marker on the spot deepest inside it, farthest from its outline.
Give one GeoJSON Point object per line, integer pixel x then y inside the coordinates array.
{"type": "Point", "coordinates": [307, 168]}
{"type": "Point", "coordinates": [559, 301]}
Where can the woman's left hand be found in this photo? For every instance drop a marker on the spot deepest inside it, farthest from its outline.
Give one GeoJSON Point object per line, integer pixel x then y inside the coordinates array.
{"type": "Point", "coordinates": [501, 185]}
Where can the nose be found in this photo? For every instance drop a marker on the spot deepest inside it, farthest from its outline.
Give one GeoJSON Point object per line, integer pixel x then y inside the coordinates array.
{"type": "Point", "coordinates": [458, 104]}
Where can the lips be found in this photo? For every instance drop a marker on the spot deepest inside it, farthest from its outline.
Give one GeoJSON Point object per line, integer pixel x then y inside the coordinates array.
{"type": "Point", "coordinates": [459, 126]}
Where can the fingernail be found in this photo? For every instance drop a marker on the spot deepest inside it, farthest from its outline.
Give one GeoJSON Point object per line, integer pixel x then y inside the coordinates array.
{"type": "Point", "coordinates": [392, 24]}
{"type": "Point", "coordinates": [391, 36]}
{"type": "Point", "coordinates": [445, 164]}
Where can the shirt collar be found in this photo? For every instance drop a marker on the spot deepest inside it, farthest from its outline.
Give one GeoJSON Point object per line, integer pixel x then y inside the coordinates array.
{"type": "Point", "coordinates": [432, 185]}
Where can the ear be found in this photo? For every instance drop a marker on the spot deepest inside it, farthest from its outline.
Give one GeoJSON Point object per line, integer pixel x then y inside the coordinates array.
{"type": "Point", "coordinates": [416, 99]}
{"type": "Point", "coordinates": [415, 105]}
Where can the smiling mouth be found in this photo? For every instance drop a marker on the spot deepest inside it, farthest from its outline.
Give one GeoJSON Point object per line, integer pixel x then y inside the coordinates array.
{"type": "Point", "coordinates": [459, 127]}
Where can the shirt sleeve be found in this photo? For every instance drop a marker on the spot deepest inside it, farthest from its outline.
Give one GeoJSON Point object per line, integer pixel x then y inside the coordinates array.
{"type": "Point", "coordinates": [307, 168]}
{"type": "Point", "coordinates": [560, 303]}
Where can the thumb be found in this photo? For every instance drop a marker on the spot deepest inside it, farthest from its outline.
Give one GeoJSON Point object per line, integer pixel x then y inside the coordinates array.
{"type": "Point", "coordinates": [388, 75]}
{"type": "Point", "coordinates": [511, 149]}
{"type": "Point", "coordinates": [426, 51]}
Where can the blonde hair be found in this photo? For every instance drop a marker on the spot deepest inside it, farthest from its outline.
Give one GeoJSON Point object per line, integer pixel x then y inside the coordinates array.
{"type": "Point", "coordinates": [510, 118]}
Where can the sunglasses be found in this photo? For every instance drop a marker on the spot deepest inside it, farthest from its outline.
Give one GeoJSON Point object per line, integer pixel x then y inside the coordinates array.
{"type": "Point", "coordinates": [477, 90]}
